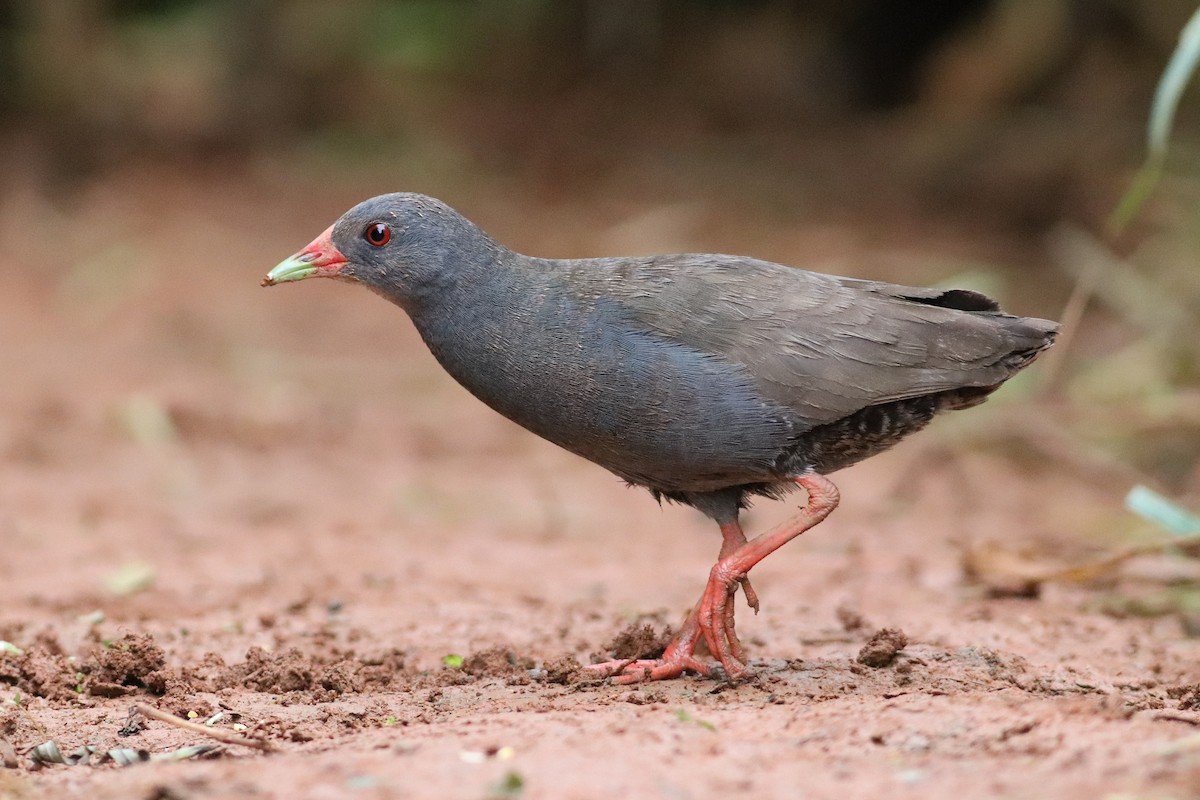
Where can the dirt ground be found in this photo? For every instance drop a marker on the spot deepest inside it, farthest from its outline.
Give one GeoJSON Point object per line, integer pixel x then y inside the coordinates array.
{"type": "Point", "coordinates": [273, 504]}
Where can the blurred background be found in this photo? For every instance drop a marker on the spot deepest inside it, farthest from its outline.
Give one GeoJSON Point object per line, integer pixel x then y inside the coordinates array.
{"type": "Point", "coordinates": [158, 156]}
{"type": "Point", "coordinates": [1004, 116]}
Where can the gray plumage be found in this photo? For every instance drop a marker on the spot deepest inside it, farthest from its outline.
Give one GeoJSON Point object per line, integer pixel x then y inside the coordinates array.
{"type": "Point", "coordinates": [705, 378]}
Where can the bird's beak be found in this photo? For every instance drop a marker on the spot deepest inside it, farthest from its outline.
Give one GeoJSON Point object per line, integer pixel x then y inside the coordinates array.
{"type": "Point", "coordinates": [319, 260]}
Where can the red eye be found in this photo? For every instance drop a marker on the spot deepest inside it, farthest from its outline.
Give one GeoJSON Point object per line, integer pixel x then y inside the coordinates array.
{"type": "Point", "coordinates": [377, 234]}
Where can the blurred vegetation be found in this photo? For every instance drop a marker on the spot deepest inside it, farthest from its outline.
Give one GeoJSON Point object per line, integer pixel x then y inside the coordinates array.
{"type": "Point", "coordinates": [102, 79]}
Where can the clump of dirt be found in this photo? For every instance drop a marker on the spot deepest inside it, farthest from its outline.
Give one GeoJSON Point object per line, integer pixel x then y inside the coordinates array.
{"type": "Point", "coordinates": [645, 697]}
{"type": "Point", "coordinates": [851, 619]}
{"type": "Point", "coordinates": [636, 641]}
{"type": "Point", "coordinates": [133, 662]}
{"type": "Point", "coordinates": [1188, 696]}
{"type": "Point", "coordinates": [325, 677]}
{"type": "Point", "coordinates": [566, 670]}
{"type": "Point", "coordinates": [882, 648]}
{"type": "Point", "coordinates": [497, 662]}
{"type": "Point", "coordinates": [380, 672]}
{"type": "Point", "coordinates": [48, 641]}
{"type": "Point", "coordinates": [41, 672]}
{"type": "Point", "coordinates": [278, 673]}
{"type": "Point", "coordinates": [181, 686]}
{"type": "Point", "coordinates": [1005, 667]}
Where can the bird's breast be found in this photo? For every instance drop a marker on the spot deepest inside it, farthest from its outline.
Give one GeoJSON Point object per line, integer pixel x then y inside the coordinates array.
{"type": "Point", "coordinates": [581, 375]}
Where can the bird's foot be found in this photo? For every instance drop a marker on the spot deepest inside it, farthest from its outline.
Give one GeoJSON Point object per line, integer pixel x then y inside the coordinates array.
{"type": "Point", "coordinates": [714, 616]}
{"type": "Point", "coordinates": [716, 604]}
{"type": "Point", "coordinates": [652, 669]}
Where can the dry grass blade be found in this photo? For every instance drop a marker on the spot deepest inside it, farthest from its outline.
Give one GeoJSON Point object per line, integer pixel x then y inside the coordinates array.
{"type": "Point", "coordinates": [1006, 571]}
{"type": "Point", "coordinates": [1138, 300]}
{"type": "Point", "coordinates": [1055, 443]}
{"type": "Point", "coordinates": [50, 753]}
{"type": "Point", "coordinates": [1094, 569]}
{"type": "Point", "coordinates": [125, 756]}
{"type": "Point", "coordinates": [1072, 314]}
{"type": "Point", "coordinates": [1162, 116]}
{"type": "Point", "coordinates": [213, 733]}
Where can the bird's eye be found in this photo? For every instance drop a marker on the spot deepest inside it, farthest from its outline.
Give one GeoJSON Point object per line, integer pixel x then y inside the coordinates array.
{"type": "Point", "coordinates": [377, 234]}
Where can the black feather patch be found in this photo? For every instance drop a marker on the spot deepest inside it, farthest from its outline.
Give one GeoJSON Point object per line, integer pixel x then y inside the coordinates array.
{"type": "Point", "coordinates": [960, 300]}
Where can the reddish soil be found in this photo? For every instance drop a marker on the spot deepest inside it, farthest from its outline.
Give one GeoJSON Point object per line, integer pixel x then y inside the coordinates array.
{"type": "Point", "coordinates": [322, 518]}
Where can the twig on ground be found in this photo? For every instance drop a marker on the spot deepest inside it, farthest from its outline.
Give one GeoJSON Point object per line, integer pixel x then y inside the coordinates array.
{"type": "Point", "coordinates": [1177, 716]}
{"type": "Point", "coordinates": [219, 734]}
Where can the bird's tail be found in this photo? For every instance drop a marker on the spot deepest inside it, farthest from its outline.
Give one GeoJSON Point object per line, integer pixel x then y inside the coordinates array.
{"type": "Point", "coordinates": [1030, 337]}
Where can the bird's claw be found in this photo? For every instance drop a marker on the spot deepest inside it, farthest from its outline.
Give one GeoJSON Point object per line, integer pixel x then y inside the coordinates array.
{"type": "Point", "coordinates": [748, 590]}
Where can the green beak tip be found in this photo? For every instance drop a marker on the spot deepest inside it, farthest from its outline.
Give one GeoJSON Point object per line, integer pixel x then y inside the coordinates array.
{"type": "Point", "coordinates": [292, 269]}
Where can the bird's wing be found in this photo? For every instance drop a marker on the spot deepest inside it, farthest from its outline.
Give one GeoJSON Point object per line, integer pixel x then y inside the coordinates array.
{"type": "Point", "coordinates": [821, 345]}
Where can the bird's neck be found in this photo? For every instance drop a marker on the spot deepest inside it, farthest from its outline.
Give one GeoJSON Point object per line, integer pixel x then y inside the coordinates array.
{"type": "Point", "coordinates": [460, 288]}
{"type": "Point", "coordinates": [450, 270]}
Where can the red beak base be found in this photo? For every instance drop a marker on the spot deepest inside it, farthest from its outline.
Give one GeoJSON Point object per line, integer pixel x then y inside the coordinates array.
{"type": "Point", "coordinates": [320, 259]}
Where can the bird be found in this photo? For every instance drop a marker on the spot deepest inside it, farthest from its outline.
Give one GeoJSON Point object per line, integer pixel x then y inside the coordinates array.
{"type": "Point", "coordinates": [708, 379]}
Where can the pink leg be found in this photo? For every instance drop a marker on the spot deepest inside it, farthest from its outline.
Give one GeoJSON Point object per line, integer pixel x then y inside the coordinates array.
{"type": "Point", "coordinates": [733, 538]}
{"type": "Point", "coordinates": [713, 616]}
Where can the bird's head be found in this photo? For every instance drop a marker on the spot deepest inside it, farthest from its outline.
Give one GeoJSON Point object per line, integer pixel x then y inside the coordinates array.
{"type": "Point", "coordinates": [401, 245]}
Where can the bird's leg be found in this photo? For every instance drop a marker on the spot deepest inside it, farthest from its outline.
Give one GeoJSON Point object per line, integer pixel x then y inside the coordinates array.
{"type": "Point", "coordinates": [733, 538]}
{"type": "Point", "coordinates": [712, 617]}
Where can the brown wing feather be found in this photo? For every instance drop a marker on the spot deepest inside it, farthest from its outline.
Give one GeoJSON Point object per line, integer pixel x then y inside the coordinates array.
{"type": "Point", "coordinates": [822, 345]}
